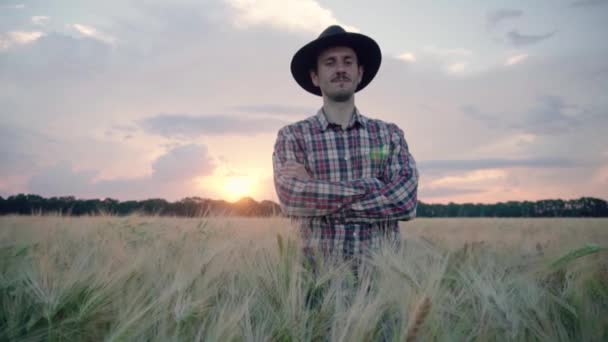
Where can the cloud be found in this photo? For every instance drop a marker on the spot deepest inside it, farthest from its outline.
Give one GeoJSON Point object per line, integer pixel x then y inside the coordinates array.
{"type": "Point", "coordinates": [500, 179]}
{"type": "Point", "coordinates": [187, 58]}
{"type": "Point", "coordinates": [588, 3]}
{"type": "Point", "coordinates": [17, 6]}
{"type": "Point", "coordinates": [92, 32]}
{"type": "Point", "coordinates": [552, 115]}
{"type": "Point", "coordinates": [173, 177]}
{"type": "Point", "coordinates": [474, 113]}
{"type": "Point", "coordinates": [27, 151]}
{"type": "Point", "coordinates": [549, 115]}
{"type": "Point", "coordinates": [516, 59]}
{"type": "Point", "coordinates": [22, 37]}
{"type": "Point", "coordinates": [40, 20]}
{"type": "Point", "coordinates": [16, 38]}
{"type": "Point", "coordinates": [291, 15]}
{"type": "Point", "coordinates": [454, 60]}
{"type": "Point", "coordinates": [432, 58]}
{"type": "Point", "coordinates": [438, 166]}
{"type": "Point", "coordinates": [277, 109]}
{"type": "Point", "coordinates": [493, 18]}
{"type": "Point", "coordinates": [472, 177]}
{"type": "Point", "coordinates": [456, 68]}
{"type": "Point", "coordinates": [407, 57]}
{"type": "Point", "coordinates": [601, 175]}
{"type": "Point", "coordinates": [184, 126]}
{"type": "Point", "coordinates": [514, 146]}
{"type": "Point", "coordinates": [61, 179]}
{"type": "Point", "coordinates": [518, 39]}
{"type": "Point", "coordinates": [15, 157]}
{"type": "Point", "coordinates": [183, 162]}
{"type": "Point", "coordinates": [435, 192]}
{"type": "Point", "coordinates": [447, 52]}
{"type": "Point", "coordinates": [55, 57]}
{"type": "Point", "coordinates": [125, 132]}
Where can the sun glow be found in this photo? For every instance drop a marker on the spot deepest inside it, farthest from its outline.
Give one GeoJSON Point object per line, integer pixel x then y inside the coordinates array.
{"type": "Point", "coordinates": [236, 187]}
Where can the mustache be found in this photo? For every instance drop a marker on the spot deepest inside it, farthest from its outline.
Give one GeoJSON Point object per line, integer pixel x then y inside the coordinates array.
{"type": "Point", "coordinates": [340, 77]}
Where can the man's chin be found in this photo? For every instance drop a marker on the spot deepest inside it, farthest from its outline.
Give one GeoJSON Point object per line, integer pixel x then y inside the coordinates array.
{"type": "Point", "coordinates": [341, 97]}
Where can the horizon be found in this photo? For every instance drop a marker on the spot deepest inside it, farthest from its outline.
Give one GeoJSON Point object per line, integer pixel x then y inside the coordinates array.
{"type": "Point", "coordinates": [276, 202]}
{"type": "Point", "coordinates": [503, 101]}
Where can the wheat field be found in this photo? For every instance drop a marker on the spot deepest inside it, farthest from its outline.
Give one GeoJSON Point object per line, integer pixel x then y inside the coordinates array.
{"type": "Point", "coordinates": [242, 279]}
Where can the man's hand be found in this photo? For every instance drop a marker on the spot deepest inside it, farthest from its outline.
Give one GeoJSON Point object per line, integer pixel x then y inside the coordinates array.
{"type": "Point", "coordinates": [294, 169]}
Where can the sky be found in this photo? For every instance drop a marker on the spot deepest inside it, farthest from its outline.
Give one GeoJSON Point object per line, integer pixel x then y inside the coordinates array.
{"type": "Point", "coordinates": [498, 100]}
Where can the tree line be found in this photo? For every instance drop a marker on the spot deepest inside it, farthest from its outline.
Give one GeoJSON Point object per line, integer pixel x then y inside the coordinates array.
{"type": "Point", "coordinates": [28, 204]}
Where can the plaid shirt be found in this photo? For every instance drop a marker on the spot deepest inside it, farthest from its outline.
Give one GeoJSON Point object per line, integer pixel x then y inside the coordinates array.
{"type": "Point", "coordinates": [364, 180]}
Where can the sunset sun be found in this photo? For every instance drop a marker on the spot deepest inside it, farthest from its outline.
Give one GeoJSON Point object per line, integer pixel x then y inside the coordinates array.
{"type": "Point", "coordinates": [237, 186]}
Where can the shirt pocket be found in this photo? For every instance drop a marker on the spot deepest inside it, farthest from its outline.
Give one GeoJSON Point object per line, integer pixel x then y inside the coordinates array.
{"type": "Point", "coordinates": [371, 160]}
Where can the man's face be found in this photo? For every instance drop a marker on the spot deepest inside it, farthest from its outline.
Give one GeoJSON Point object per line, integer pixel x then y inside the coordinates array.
{"type": "Point", "coordinates": [338, 73]}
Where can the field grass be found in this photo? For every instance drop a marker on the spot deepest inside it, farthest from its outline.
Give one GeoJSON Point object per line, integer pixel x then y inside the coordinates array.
{"type": "Point", "coordinates": [230, 279]}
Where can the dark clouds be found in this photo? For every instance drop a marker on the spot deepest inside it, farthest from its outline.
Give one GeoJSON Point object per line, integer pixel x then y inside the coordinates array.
{"type": "Point", "coordinates": [126, 132]}
{"type": "Point", "coordinates": [517, 39]}
{"type": "Point", "coordinates": [588, 3]}
{"type": "Point", "coordinates": [55, 57]}
{"type": "Point", "coordinates": [20, 148]}
{"type": "Point", "coordinates": [474, 113]}
{"type": "Point", "coordinates": [184, 126]}
{"type": "Point", "coordinates": [514, 37]}
{"type": "Point", "coordinates": [550, 115]}
{"type": "Point", "coordinates": [493, 18]}
{"type": "Point", "coordinates": [172, 177]}
{"type": "Point", "coordinates": [61, 179]}
{"type": "Point", "coordinates": [183, 162]}
{"type": "Point", "coordinates": [27, 153]}
{"type": "Point", "coordinates": [443, 166]}
{"type": "Point", "coordinates": [541, 111]}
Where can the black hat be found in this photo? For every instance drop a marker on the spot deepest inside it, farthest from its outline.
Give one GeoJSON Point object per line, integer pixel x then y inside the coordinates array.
{"type": "Point", "coordinates": [367, 50]}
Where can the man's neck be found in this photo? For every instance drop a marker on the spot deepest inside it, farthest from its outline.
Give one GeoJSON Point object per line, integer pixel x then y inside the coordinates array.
{"type": "Point", "coordinates": [339, 112]}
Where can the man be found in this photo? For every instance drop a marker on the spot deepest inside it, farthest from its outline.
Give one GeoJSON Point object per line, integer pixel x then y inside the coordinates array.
{"type": "Point", "coordinates": [344, 178]}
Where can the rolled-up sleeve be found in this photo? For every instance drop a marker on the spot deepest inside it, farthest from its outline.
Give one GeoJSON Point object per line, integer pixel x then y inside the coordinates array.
{"type": "Point", "coordinates": [310, 197]}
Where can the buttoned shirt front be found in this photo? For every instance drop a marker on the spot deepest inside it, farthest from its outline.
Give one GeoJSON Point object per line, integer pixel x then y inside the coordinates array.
{"type": "Point", "coordinates": [364, 181]}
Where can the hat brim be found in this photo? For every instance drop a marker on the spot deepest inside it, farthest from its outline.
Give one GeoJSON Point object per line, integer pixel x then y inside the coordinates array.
{"type": "Point", "coordinates": [367, 50]}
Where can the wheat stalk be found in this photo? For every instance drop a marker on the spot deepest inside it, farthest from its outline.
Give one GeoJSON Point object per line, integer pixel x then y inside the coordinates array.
{"type": "Point", "coordinates": [420, 314]}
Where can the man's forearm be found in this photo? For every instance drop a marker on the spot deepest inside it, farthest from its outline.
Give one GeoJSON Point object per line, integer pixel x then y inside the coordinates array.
{"type": "Point", "coordinates": [320, 198]}
{"type": "Point", "coordinates": [396, 200]}
{"type": "Point", "coordinates": [390, 203]}
{"type": "Point", "coordinates": [362, 200]}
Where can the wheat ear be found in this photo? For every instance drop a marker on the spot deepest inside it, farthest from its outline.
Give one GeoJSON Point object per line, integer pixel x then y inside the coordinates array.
{"type": "Point", "coordinates": [420, 314]}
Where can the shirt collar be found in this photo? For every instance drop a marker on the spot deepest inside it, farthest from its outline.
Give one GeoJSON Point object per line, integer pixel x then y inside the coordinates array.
{"type": "Point", "coordinates": [356, 117]}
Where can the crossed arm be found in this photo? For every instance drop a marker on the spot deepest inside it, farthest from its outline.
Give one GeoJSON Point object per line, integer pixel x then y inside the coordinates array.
{"type": "Point", "coordinates": [394, 197]}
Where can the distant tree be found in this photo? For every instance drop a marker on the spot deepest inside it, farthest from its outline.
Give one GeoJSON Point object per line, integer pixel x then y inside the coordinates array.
{"type": "Point", "coordinates": [126, 208]}
{"type": "Point", "coordinates": [27, 204]}
{"type": "Point", "coordinates": [109, 206]}
{"type": "Point", "coordinates": [154, 206]}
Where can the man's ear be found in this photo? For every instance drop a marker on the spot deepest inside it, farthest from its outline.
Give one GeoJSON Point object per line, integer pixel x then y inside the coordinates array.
{"type": "Point", "coordinates": [314, 77]}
